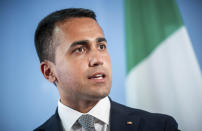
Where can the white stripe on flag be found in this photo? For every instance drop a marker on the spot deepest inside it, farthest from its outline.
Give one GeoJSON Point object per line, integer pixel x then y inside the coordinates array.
{"type": "Point", "coordinates": [169, 81]}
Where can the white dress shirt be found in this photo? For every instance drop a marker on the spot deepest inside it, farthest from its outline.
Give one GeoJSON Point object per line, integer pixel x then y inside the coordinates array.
{"type": "Point", "coordinates": [101, 112]}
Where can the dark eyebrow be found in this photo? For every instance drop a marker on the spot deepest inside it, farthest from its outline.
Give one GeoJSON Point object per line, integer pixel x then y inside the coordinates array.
{"type": "Point", "coordinates": [85, 42]}
{"type": "Point", "coordinates": [101, 40]}
{"type": "Point", "coordinates": [82, 42]}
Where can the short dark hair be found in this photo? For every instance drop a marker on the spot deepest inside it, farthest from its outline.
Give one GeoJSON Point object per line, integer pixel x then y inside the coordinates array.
{"type": "Point", "coordinates": [44, 32]}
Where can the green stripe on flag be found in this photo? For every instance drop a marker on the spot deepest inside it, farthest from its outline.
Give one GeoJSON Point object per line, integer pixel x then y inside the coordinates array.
{"type": "Point", "coordinates": [148, 22]}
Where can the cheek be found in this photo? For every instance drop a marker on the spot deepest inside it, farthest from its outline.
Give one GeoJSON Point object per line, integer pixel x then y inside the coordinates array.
{"type": "Point", "coordinates": [75, 69]}
{"type": "Point", "coordinates": [68, 79]}
{"type": "Point", "coordinates": [79, 65]}
{"type": "Point", "coordinates": [64, 75]}
{"type": "Point", "coordinates": [108, 62]}
{"type": "Point", "coordinates": [109, 66]}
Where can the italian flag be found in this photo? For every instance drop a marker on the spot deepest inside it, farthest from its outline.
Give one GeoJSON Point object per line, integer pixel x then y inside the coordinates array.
{"type": "Point", "coordinates": [162, 71]}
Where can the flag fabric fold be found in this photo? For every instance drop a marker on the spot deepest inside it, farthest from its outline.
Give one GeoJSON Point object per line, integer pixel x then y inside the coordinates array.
{"type": "Point", "coordinates": [163, 74]}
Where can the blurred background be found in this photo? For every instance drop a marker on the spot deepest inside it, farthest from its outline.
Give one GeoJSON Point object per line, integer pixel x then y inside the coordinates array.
{"type": "Point", "coordinates": [27, 99]}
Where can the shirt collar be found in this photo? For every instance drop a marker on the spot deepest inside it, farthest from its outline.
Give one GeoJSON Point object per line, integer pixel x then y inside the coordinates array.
{"type": "Point", "coordinates": [69, 116]}
{"type": "Point", "coordinates": [101, 110]}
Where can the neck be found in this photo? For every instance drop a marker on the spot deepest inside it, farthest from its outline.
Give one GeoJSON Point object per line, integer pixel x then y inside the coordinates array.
{"type": "Point", "coordinates": [82, 106]}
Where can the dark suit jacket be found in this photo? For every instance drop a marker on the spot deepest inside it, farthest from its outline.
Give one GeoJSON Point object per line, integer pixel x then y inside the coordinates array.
{"type": "Point", "coordinates": [123, 118]}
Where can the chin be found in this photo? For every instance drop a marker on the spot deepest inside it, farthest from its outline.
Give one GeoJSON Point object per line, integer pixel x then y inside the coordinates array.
{"type": "Point", "coordinates": [97, 92]}
{"type": "Point", "coordinates": [100, 95]}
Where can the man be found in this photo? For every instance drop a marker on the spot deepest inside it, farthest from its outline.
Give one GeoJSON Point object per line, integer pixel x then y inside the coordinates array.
{"type": "Point", "coordinates": [73, 53]}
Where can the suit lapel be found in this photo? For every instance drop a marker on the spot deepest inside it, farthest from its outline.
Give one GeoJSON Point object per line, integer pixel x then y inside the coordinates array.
{"type": "Point", "coordinates": [55, 123]}
{"type": "Point", "coordinates": [122, 119]}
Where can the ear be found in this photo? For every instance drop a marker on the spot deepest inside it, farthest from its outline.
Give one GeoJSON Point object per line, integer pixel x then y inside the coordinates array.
{"type": "Point", "coordinates": [47, 69]}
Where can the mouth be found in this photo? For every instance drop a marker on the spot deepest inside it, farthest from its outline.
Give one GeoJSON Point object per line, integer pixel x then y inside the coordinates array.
{"type": "Point", "coordinates": [97, 76]}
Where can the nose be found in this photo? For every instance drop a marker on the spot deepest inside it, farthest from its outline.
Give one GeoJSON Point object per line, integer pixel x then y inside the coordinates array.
{"type": "Point", "coordinates": [95, 59]}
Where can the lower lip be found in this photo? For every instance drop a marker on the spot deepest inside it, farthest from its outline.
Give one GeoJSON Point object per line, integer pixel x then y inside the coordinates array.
{"type": "Point", "coordinates": [98, 80]}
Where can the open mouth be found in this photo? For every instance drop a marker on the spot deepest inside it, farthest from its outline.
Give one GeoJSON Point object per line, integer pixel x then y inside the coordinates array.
{"type": "Point", "coordinates": [97, 76]}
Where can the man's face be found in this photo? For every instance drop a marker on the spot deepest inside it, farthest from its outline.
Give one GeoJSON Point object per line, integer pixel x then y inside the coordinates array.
{"type": "Point", "coordinates": [82, 63]}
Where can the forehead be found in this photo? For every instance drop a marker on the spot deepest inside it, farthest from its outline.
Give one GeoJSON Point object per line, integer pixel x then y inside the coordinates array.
{"type": "Point", "coordinates": [78, 28]}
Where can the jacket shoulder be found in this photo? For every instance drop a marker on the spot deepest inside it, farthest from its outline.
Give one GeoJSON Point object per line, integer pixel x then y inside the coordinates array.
{"type": "Point", "coordinates": [45, 124]}
{"type": "Point", "coordinates": [52, 124]}
{"type": "Point", "coordinates": [145, 119]}
{"type": "Point", "coordinates": [139, 113]}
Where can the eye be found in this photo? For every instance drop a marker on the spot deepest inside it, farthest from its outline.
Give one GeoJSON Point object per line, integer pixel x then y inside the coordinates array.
{"type": "Point", "coordinates": [102, 47]}
{"type": "Point", "coordinates": [80, 50]}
